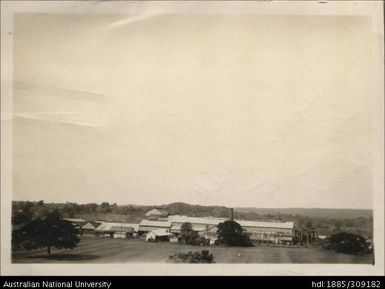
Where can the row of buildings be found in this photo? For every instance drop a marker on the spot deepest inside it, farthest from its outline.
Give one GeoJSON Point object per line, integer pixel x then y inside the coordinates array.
{"type": "Point", "coordinates": [159, 226]}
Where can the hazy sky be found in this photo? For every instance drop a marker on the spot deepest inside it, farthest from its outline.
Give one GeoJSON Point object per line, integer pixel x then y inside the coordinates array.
{"type": "Point", "coordinates": [257, 111]}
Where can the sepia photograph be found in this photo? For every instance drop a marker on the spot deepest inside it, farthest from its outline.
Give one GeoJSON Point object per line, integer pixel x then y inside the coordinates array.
{"type": "Point", "coordinates": [188, 137]}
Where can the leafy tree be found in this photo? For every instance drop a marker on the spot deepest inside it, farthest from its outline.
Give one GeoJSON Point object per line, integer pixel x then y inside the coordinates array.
{"type": "Point", "coordinates": [105, 208]}
{"type": "Point", "coordinates": [22, 215]}
{"type": "Point", "coordinates": [347, 243]}
{"type": "Point", "coordinates": [309, 225]}
{"type": "Point", "coordinates": [230, 233]}
{"type": "Point", "coordinates": [41, 209]}
{"type": "Point", "coordinates": [69, 209]}
{"type": "Point", "coordinates": [91, 208]}
{"type": "Point", "coordinates": [188, 235]}
{"type": "Point", "coordinates": [49, 232]}
{"type": "Point", "coordinates": [114, 208]}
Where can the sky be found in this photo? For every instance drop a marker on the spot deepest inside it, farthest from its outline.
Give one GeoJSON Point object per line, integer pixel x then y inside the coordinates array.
{"type": "Point", "coordinates": [245, 111]}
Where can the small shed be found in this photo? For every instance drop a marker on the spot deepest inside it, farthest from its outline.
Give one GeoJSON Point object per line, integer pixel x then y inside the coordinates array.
{"type": "Point", "coordinates": [158, 236]}
{"type": "Point", "coordinates": [148, 225]}
{"type": "Point", "coordinates": [89, 228]}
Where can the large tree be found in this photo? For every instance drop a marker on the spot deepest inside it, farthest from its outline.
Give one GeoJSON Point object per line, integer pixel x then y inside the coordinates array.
{"type": "Point", "coordinates": [348, 243]}
{"type": "Point", "coordinates": [47, 232]}
{"type": "Point", "coordinates": [230, 233]}
{"type": "Point", "coordinates": [22, 216]}
{"type": "Point", "coordinates": [187, 234]}
{"type": "Point", "coordinates": [105, 208]}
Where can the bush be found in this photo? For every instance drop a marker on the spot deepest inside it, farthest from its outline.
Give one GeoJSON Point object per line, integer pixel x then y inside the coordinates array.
{"type": "Point", "coordinates": [347, 243]}
{"type": "Point", "coordinates": [192, 257]}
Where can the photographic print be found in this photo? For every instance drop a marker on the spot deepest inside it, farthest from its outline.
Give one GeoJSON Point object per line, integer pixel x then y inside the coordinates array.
{"type": "Point", "coordinates": [202, 135]}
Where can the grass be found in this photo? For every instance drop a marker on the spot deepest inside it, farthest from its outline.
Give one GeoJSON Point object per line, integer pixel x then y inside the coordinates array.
{"type": "Point", "coordinates": [98, 250]}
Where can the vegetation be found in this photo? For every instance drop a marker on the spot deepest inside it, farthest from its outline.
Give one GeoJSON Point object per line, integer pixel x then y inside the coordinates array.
{"type": "Point", "coordinates": [324, 221]}
{"type": "Point", "coordinates": [192, 257]}
{"type": "Point", "coordinates": [48, 232]}
{"type": "Point", "coordinates": [188, 235]}
{"type": "Point", "coordinates": [22, 216]}
{"type": "Point", "coordinates": [230, 233]}
{"type": "Point", "coordinates": [347, 243]}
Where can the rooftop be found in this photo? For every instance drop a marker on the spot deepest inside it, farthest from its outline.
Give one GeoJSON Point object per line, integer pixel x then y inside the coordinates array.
{"type": "Point", "coordinates": [196, 220]}
{"type": "Point", "coordinates": [281, 225]}
{"type": "Point", "coordinates": [163, 224]}
{"type": "Point", "coordinates": [73, 220]}
{"type": "Point", "coordinates": [158, 212]}
{"type": "Point", "coordinates": [107, 226]}
{"type": "Point", "coordinates": [216, 221]}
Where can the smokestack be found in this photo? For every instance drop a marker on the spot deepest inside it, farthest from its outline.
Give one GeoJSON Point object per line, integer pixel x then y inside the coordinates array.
{"type": "Point", "coordinates": [232, 214]}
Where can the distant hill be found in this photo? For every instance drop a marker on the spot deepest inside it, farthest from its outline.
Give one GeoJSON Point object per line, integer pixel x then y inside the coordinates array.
{"type": "Point", "coordinates": [314, 212]}
{"type": "Point", "coordinates": [180, 208]}
{"type": "Point", "coordinates": [136, 212]}
{"type": "Point", "coordinates": [221, 211]}
{"type": "Point", "coordinates": [325, 221]}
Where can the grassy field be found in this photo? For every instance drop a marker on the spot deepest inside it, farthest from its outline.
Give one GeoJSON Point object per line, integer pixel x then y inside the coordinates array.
{"type": "Point", "coordinates": [97, 250]}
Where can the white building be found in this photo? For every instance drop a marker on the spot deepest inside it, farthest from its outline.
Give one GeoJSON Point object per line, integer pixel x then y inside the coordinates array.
{"type": "Point", "coordinates": [116, 230]}
{"type": "Point", "coordinates": [276, 232]}
{"type": "Point", "coordinates": [158, 235]}
{"type": "Point", "coordinates": [148, 225]}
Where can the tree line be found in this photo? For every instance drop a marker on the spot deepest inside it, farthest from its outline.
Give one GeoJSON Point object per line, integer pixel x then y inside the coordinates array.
{"type": "Point", "coordinates": [23, 211]}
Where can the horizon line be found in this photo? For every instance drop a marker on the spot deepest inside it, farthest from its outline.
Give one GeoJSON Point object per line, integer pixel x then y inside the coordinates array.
{"type": "Point", "coordinates": [160, 205]}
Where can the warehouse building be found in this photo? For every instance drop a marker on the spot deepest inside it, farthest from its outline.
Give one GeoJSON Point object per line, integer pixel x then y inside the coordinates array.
{"type": "Point", "coordinates": [259, 232]}
{"type": "Point", "coordinates": [268, 232]}
{"type": "Point", "coordinates": [116, 230]}
{"type": "Point", "coordinates": [149, 225]}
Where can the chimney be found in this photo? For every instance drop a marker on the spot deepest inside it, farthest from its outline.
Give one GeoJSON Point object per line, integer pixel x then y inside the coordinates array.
{"type": "Point", "coordinates": [232, 214]}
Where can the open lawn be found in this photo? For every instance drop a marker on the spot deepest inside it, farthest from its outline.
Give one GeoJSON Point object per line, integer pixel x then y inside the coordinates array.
{"type": "Point", "coordinates": [98, 250]}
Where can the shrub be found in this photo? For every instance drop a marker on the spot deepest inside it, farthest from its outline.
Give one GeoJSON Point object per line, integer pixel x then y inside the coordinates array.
{"type": "Point", "coordinates": [192, 257]}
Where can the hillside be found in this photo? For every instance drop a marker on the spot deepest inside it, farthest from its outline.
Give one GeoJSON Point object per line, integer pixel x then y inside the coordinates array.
{"type": "Point", "coordinates": [313, 212]}
{"type": "Point", "coordinates": [221, 211]}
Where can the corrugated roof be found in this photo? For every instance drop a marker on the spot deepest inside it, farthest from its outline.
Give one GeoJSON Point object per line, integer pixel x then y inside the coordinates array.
{"type": "Point", "coordinates": [195, 227]}
{"type": "Point", "coordinates": [107, 226]}
{"type": "Point", "coordinates": [216, 221]}
{"type": "Point", "coordinates": [280, 225]}
{"type": "Point", "coordinates": [150, 223]}
{"type": "Point", "coordinates": [196, 220]}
